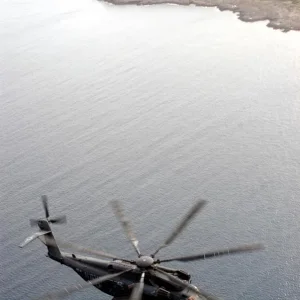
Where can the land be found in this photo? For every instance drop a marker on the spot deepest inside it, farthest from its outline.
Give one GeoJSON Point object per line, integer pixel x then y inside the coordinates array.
{"type": "Point", "coordinates": [281, 14]}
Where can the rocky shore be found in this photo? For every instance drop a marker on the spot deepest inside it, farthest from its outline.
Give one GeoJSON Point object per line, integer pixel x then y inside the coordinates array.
{"type": "Point", "coordinates": [281, 14]}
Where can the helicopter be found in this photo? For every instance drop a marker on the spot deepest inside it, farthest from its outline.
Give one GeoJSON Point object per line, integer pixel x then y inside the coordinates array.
{"type": "Point", "coordinates": [144, 278]}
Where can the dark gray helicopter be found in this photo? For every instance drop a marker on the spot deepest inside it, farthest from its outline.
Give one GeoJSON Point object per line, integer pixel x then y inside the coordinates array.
{"type": "Point", "coordinates": [144, 278]}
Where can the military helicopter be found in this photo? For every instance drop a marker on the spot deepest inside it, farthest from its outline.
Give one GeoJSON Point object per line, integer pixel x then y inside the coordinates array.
{"type": "Point", "coordinates": [141, 279]}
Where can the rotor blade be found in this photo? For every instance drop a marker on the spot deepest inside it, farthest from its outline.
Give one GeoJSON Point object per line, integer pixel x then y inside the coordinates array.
{"type": "Point", "coordinates": [118, 210]}
{"type": "Point", "coordinates": [33, 222]}
{"type": "Point", "coordinates": [67, 291]}
{"type": "Point", "coordinates": [229, 251]}
{"type": "Point", "coordinates": [138, 289]}
{"type": "Point", "coordinates": [58, 220]}
{"type": "Point", "coordinates": [174, 279]}
{"type": "Point", "coordinates": [45, 205]}
{"type": "Point", "coordinates": [65, 244]}
{"type": "Point", "coordinates": [201, 295]}
{"type": "Point", "coordinates": [187, 218]}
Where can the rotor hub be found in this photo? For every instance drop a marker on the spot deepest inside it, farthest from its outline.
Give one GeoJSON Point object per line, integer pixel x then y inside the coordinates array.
{"type": "Point", "coordinates": [144, 261]}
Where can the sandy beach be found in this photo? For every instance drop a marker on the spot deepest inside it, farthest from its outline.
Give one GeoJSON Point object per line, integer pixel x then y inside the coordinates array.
{"type": "Point", "coordinates": [281, 14]}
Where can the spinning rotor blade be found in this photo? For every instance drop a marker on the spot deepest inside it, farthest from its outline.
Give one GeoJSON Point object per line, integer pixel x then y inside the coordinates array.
{"type": "Point", "coordinates": [45, 205]}
{"type": "Point", "coordinates": [58, 220]}
{"type": "Point", "coordinates": [187, 218]}
{"type": "Point", "coordinates": [229, 251]}
{"type": "Point", "coordinates": [78, 248]}
{"type": "Point", "coordinates": [67, 291]}
{"type": "Point", "coordinates": [119, 213]}
{"type": "Point", "coordinates": [138, 289]}
{"type": "Point", "coordinates": [174, 279]}
{"type": "Point", "coordinates": [185, 285]}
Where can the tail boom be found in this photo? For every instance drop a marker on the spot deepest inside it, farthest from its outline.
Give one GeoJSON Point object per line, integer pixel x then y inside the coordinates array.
{"type": "Point", "coordinates": [48, 239]}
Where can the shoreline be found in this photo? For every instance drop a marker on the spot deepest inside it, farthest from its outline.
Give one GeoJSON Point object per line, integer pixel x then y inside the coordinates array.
{"type": "Point", "coordinates": [282, 15]}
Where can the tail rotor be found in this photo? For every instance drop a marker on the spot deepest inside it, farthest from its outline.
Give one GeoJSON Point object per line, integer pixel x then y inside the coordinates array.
{"type": "Point", "coordinates": [57, 220]}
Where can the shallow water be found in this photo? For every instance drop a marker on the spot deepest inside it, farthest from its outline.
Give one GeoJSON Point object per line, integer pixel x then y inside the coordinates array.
{"type": "Point", "coordinates": [156, 106]}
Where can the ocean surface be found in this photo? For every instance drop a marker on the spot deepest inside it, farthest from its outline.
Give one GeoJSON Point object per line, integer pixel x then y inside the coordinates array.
{"type": "Point", "coordinates": [156, 106]}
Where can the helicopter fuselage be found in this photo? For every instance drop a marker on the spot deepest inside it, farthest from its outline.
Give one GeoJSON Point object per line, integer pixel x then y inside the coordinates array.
{"type": "Point", "coordinates": [157, 286]}
{"type": "Point", "coordinates": [141, 279]}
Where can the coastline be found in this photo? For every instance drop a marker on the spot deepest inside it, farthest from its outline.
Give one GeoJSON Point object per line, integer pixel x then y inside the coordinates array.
{"type": "Point", "coordinates": [283, 15]}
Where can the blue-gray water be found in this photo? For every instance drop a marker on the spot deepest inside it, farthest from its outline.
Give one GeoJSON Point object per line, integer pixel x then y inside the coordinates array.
{"type": "Point", "coordinates": [155, 106]}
